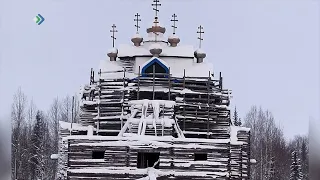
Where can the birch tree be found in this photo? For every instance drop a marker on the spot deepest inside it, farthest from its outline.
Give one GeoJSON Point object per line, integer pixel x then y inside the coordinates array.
{"type": "Point", "coordinates": [69, 108]}
{"type": "Point", "coordinates": [267, 142]}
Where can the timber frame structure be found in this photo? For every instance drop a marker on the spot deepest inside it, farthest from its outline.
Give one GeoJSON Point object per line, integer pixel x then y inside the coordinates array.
{"type": "Point", "coordinates": [143, 121]}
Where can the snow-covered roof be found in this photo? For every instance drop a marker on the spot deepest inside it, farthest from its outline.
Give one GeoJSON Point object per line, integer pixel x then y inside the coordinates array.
{"type": "Point", "coordinates": [166, 103]}
{"type": "Point", "coordinates": [234, 134]}
{"type": "Point", "coordinates": [113, 70]}
{"type": "Point", "coordinates": [107, 65]}
{"type": "Point", "coordinates": [75, 126]}
{"type": "Point", "coordinates": [173, 36]}
{"type": "Point", "coordinates": [128, 50]}
{"type": "Point", "coordinates": [177, 66]}
{"type": "Point", "coordinates": [133, 137]}
{"type": "Point", "coordinates": [112, 50]}
{"type": "Point", "coordinates": [200, 51]}
{"type": "Point", "coordinates": [137, 35]}
{"type": "Point", "coordinates": [191, 69]}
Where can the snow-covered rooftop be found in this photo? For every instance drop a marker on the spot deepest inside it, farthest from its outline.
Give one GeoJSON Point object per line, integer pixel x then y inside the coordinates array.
{"type": "Point", "coordinates": [113, 70]}
{"type": "Point", "coordinates": [129, 50]}
{"type": "Point", "coordinates": [73, 126]}
{"type": "Point", "coordinates": [133, 137]}
{"type": "Point", "coordinates": [234, 134]}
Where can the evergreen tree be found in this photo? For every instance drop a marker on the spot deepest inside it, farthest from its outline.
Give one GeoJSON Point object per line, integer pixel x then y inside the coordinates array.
{"type": "Point", "coordinates": [295, 167]}
{"type": "Point", "coordinates": [37, 140]}
{"type": "Point", "coordinates": [271, 170]}
{"type": "Point", "coordinates": [235, 117]}
{"type": "Point", "coordinates": [239, 122]}
{"type": "Point", "coordinates": [304, 159]}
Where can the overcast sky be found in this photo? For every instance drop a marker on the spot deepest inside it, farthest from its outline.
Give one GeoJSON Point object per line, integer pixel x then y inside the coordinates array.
{"type": "Point", "coordinates": [268, 51]}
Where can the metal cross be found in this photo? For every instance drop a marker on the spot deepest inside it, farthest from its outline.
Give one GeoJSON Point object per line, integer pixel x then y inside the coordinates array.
{"type": "Point", "coordinates": [137, 20]}
{"type": "Point", "coordinates": [156, 4]}
{"type": "Point", "coordinates": [200, 32]}
{"type": "Point", "coordinates": [174, 23]}
{"type": "Point", "coordinates": [113, 31]}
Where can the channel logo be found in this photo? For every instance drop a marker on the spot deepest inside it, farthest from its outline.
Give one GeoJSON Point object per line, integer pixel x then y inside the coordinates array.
{"type": "Point", "coordinates": [38, 19]}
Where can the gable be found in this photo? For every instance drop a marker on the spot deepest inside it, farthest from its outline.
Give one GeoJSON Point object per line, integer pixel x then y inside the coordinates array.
{"type": "Point", "coordinates": [160, 66]}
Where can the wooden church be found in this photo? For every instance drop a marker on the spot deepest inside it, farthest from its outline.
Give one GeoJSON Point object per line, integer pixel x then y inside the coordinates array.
{"type": "Point", "coordinates": [154, 110]}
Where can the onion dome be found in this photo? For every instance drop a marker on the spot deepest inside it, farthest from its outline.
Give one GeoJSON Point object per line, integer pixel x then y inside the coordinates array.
{"type": "Point", "coordinates": [113, 53]}
{"type": "Point", "coordinates": [173, 40]}
{"type": "Point", "coordinates": [137, 39]}
{"type": "Point", "coordinates": [155, 49]}
{"type": "Point", "coordinates": [156, 28]}
{"type": "Point", "coordinates": [200, 55]}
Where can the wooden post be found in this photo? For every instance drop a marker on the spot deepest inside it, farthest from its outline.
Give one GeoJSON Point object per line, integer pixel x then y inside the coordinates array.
{"type": "Point", "coordinates": [163, 106]}
{"type": "Point", "coordinates": [128, 156]}
{"type": "Point", "coordinates": [229, 160]}
{"type": "Point", "coordinates": [197, 113]}
{"type": "Point", "coordinates": [169, 84]}
{"type": "Point", "coordinates": [68, 157]}
{"type": "Point", "coordinates": [138, 93]}
{"type": "Point", "coordinates": [99, 111]}
{"type": "Point", "coordinates": [153, 67]}
{"type": "Point", "coordinates": [208, 88]}
{"type": "Point", "coordinates": [220, 81]}
{"type": "Point", "coordinates": [184, 100]}
{"type": "Point", "coordinates": [123, 95]}
{"type": "Point", "coordinates": [249, 155]}
{"type": "Point", "coordinates": [241, 162]}
{"type": "Point", "coordinates": [91, 76]}
{"type": "Point", "coordinates": [72, 109]}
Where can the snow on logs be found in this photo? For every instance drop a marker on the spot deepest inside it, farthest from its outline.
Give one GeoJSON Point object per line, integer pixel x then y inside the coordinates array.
{"type": "Point", "coordinates": [120, 155]}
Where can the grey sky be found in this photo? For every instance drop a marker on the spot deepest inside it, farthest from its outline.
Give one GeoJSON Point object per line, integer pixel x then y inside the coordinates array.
{"type": "Point", "coordinates": [268, 51]}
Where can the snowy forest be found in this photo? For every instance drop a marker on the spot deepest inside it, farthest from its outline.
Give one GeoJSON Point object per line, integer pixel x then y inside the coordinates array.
{"type": "Point", "coordinates": [35, 139]}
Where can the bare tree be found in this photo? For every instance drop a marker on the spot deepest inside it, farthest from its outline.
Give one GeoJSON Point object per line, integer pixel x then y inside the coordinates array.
{"type": "Point", "coordinates": [35, 136]}
{"type": "Point", "coordinates": [66, 106]}
{"type": "Point", "coordinates": [54, 117]}
{"type": "Point", "coordinates": [18, 113]}
{"type": "Point", "coordinates": [76, 109]}
{"type": "Point", "coordinates": [70, 110]}
{"type": "Point", "coordinates": [267, 145]}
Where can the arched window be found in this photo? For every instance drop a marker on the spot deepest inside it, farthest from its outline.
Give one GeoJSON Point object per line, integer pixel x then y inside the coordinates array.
{"type": "Point", "coordinates": [159, 67]}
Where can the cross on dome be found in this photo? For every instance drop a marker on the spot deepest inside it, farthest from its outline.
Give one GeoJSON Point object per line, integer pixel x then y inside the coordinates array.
{"type": "Point", "coordinates": [174, 20]}
{"type": "Point", "coordinates": [113, 31]}
{"type": "Point", "coordinates": [156, 4]}
{"type": "Point", "coordinates": [156, 28]}
{"type": "Point", "coordinates": [137, 21]}
{"type": "Point", "coordinates": [200, 32]}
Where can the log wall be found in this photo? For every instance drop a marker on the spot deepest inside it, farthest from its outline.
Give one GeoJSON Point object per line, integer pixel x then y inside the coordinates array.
{"type": "Point", "coordinates": [176, 155]}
